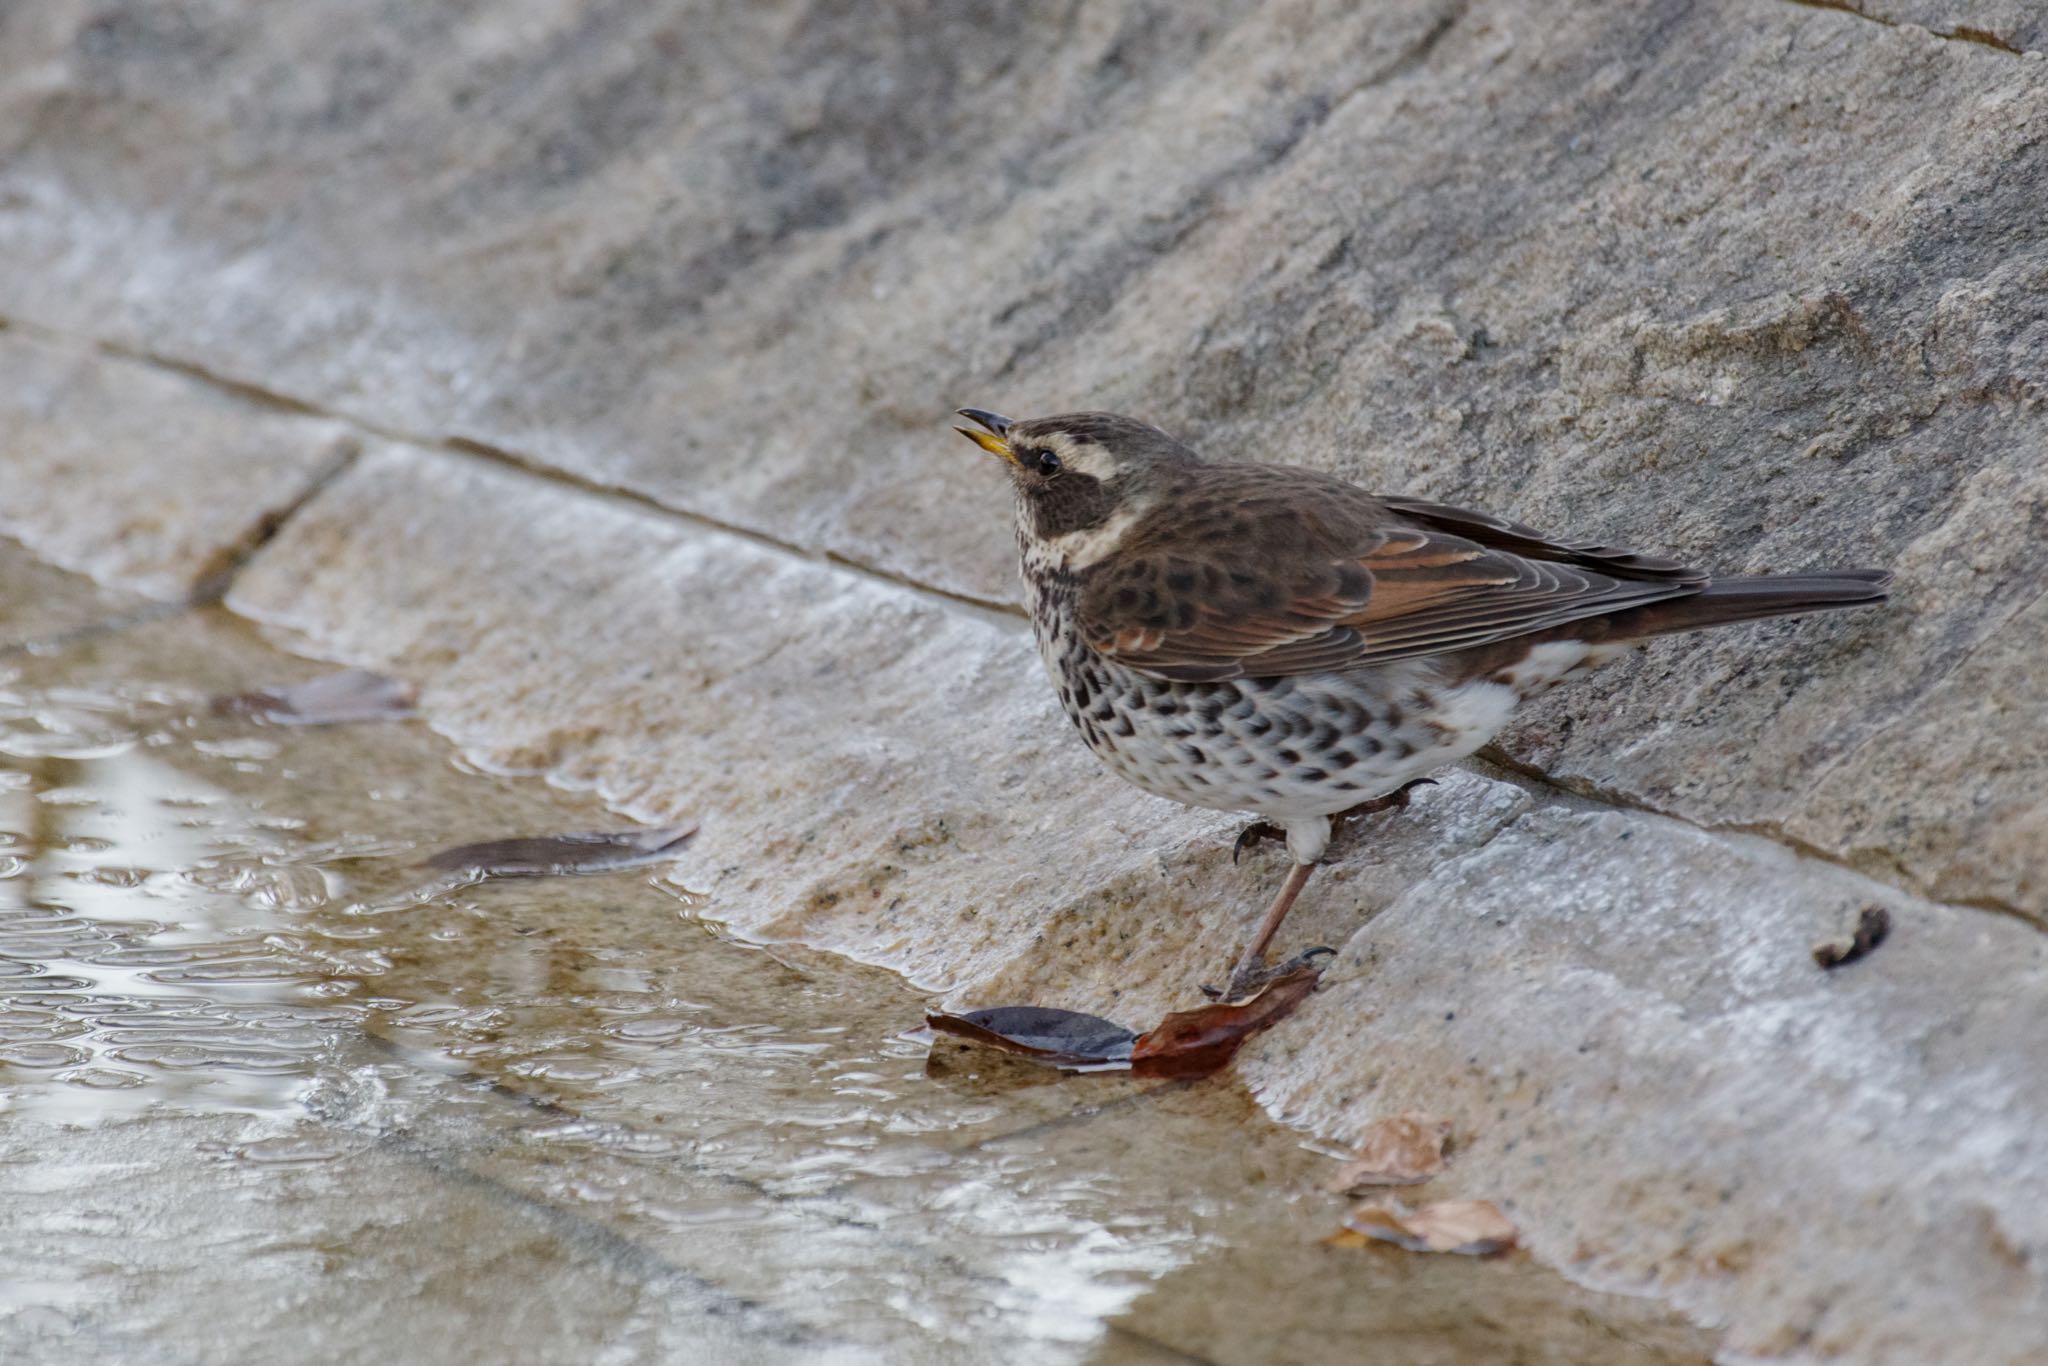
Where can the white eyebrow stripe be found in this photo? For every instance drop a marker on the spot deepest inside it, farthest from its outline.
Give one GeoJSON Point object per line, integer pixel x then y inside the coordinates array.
{"type": "Point", "coordinates": [1083, 457]}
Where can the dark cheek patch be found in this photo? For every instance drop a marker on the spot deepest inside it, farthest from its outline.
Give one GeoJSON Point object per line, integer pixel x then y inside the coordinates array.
{"type": "Point", "coordinates": [1069, 502]}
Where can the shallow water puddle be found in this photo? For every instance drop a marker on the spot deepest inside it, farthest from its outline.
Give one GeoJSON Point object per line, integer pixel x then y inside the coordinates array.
{"type": "Point", "coordinates": [555, 1119]}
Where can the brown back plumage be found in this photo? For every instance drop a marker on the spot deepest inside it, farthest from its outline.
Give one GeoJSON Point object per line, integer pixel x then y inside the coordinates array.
{"type": "Point", "coordinates": [1262, 570]}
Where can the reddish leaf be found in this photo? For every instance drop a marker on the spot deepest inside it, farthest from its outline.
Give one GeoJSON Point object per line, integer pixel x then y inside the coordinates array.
{"type": "Point", "coordinates": [331, 699]}
{"type": "Point", "coordinates": [598, 851]}
{"type": "Point", "coordinates": [1395, 1152]}
{"type": "Point", "coordinates": [1194, 1043]}
{"type": "Point", "coordinates": [1473, 1228]}
{"type": "Point", "coordinates": [1062, 1038]}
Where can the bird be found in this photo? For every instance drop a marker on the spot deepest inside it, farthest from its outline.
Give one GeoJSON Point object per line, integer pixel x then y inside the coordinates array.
{"type": "Point", "coordinates": [1277, 641]}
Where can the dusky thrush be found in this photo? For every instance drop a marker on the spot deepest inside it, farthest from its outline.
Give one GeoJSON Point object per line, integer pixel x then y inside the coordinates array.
{"type": "Point", "coordinates": [1275, 640]}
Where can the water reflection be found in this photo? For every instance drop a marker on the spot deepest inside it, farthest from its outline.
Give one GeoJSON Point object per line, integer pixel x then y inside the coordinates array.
{"type": "Point", "coordinates": [121, 983]}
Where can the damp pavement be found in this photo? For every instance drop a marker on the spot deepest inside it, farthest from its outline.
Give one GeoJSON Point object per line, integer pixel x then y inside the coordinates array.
{"type": "Point", "coordinates": [259, 1104]}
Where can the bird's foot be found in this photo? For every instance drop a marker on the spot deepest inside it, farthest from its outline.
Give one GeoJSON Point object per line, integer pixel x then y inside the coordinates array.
{"type": "Point", "coordinates": [1397, 800]}
{"type": "Point", "coordinates": [1258, 832]}
{"type": "Point", "coordinates": [1251, 976]}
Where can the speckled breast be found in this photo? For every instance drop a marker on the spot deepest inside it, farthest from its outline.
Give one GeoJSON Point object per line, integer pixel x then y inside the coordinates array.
{"type": "Point", "coordinates": [1280, 747]}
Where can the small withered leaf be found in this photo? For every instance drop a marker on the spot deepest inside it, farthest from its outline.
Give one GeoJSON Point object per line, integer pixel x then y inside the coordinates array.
{"type": "Point", "coordinates": [597, 851]}
{"type": "Point", "coordinates": [1873, 924]}
{"type": "Point", "coordinates": [1471, 1228]}
{"type": "Point", "coordinates": [331, 699]}
{"type": "Point", "coordinates": [1400, 1151]}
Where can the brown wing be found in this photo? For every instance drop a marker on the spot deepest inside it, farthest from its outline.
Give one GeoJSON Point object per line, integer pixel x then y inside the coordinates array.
{"type": "Point", "coordinates": [1323, 577]}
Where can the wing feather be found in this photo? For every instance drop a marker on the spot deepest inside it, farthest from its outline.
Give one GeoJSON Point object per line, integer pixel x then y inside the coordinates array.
{"type": "Point", "coordinates": [1342, 583]}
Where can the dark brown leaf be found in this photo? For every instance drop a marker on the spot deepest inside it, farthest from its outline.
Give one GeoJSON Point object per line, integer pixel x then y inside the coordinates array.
{"type": "Point", "coordinates": [330, 699]}
{"type": "Point", "coordinates": [1400, 1151]}
{"type": "Point", "coordinates": [1473, 1228]}
{"type": "Point", "coordinates": [1873, 923]}
{"type": "Point", "coordinates": [1062, 1038]}
{"type": "Point", "coordinates": [1194, 1043]}
{"type": "Point", "coordinates": [598, 851]}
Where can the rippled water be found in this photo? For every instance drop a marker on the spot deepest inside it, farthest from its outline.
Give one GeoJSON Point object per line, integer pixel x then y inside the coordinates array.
{"type": "Point", "coordinates": [268, 1092]}
{"type": "Point", "coordinates": [141, 953]}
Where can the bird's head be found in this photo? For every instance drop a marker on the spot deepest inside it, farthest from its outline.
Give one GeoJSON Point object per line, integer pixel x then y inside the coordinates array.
{"type": "Point", "coordinates": [1081, 478]}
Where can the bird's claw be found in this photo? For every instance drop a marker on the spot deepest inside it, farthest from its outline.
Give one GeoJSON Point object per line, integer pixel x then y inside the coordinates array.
{"type": "Point", "coordinates": [1249, 979]}
{"type": "Point", "coordinates": [1258, 832]}
{"type": "Point", "coordinates": [1397, 800]}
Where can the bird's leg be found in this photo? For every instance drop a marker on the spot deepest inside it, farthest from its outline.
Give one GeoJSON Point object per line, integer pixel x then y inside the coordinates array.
{"type": "Point", "coordinates": [1251, 971]}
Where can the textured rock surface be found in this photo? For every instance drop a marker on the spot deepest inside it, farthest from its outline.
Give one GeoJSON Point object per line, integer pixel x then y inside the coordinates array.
{"type": "Point", "coordinates": [1678, 999]}
{"type": "Point", "coordinates": [1758, 284]}
{"type": "Point", "coordinates": [152, 479]}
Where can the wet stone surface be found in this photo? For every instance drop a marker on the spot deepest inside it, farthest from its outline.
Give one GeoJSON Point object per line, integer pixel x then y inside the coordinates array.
{"type": "Point", "coordinates": [43, 608]}
{"type": "Point", "coordinates": [259, 1103]}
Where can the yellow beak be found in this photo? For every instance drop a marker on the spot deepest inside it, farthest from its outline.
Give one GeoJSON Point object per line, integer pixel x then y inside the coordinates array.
{"type": "Point", "coordinates": [991, 440]}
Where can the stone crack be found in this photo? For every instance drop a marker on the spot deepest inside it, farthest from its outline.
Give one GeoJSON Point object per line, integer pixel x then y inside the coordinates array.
{"type": "Point", "coordinates": [1961, 33]}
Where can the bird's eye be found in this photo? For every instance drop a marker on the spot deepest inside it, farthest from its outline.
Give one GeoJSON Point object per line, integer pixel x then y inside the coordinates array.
{"type": "Point", "coordinates": [1044, 462]}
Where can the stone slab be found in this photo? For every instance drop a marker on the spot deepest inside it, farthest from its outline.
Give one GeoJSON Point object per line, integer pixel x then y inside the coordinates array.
{"type": "Point", "coordinates": [867, 762]}
{"type": "Point", "coordinates": [142, 477]}
{"type": "Point", "coordinates": [1622, 1020]}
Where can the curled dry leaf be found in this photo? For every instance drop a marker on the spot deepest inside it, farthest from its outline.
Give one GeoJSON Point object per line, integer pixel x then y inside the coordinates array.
{"type": "Point", "coordinates": [1400, 1151]}
{"type": "Point", "coordinates": [1187, 1043]}
{"type": "Point", "coordinates": [331, 699]}
{"type": "Point", "coordinates": [1473, 1228]}
{"type": "Point", "coordinates": [596, 851]}
{"type": "Point", "coordinates": [1873, 924]}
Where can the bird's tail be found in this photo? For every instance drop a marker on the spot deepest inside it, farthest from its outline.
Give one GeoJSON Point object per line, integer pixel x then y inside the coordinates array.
{"type": "Point", "coordinates": [1723, 602]}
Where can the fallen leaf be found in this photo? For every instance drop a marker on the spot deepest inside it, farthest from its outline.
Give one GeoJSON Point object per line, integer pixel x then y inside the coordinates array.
{"type": "Point", "coordinates": [1873, 924]}
{"type": "Point", "coordinates": [1473, 1228]}
{"type": "Point", "coordinates": [1395, 1152]}
{"type": "Point", "coordinates": [1187, 1043]}
{"type": "Point", "coordinates": [1194, 1043]}
{"type": "Point", "coordinates": [1063, 1038]}
{"type": "Point", "coordinates": [331, 699]}
{"type": "Point", "coordinates": [596, 851]}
